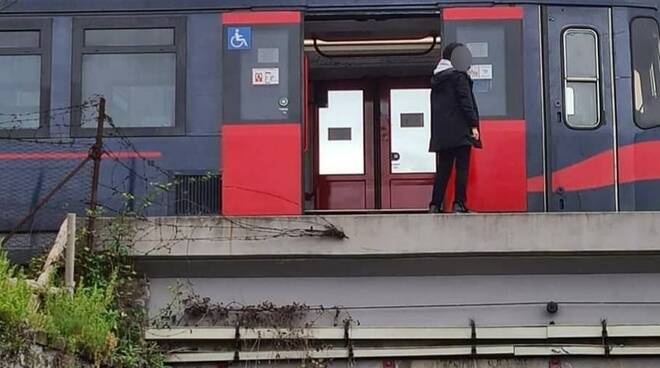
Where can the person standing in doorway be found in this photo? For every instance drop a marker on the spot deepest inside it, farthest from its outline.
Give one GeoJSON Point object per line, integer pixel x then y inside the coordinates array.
{"type": "Point", "coordinates": [454, 124]}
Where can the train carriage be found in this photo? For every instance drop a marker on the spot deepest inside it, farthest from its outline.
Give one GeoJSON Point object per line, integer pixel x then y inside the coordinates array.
{"type": "Point", "coordinates": [301, 106]}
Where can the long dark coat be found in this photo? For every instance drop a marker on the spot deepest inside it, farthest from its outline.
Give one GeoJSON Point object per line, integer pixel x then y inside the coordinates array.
{"type": "Point", "coordinates": [453, 110]}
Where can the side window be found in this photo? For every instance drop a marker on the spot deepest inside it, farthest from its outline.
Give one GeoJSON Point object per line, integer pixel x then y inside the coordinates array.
{"type": "Point", "coordinates": [581, 77]}
{"type": "Point", "coordinates": [496, 65]}
{"type": "Point", "coordinates": [645, 44]}
{"type": "Point", "coordinates": [24, 77]}
{"type": "Point", "coordinates": [139, 67]}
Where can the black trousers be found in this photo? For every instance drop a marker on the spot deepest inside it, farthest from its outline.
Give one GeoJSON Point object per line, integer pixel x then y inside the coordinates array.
{"type": "Point", "coordinates": [444, 163]}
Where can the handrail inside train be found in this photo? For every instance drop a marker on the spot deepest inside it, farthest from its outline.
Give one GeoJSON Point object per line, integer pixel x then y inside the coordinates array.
{"type": "Point", "coordinates": [371, 48]}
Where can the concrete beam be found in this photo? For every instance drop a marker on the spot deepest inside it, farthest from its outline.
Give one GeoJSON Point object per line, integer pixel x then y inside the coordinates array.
{"type": "Point", "coordinates": [398, 235]}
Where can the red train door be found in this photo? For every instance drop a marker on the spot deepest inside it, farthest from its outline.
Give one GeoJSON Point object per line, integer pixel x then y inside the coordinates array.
{"type": "Point", "coordinates": [372, 146]}
{"type": "Point", "coordinates": [580, 119]}
{"type": "Point", "coordinates": [406, 167]}
{"type": "Point", "coordinates": [344, 149]}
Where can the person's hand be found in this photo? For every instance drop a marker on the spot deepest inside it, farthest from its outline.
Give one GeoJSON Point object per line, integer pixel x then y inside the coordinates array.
{"type": "Point", "coordinates": [475, 133]}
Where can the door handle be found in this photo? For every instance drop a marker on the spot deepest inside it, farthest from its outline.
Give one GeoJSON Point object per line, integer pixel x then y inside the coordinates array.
{"type": "Point", "coordinates": [559, 110]}
{"type": "Point", "coordinates": [562, 200]}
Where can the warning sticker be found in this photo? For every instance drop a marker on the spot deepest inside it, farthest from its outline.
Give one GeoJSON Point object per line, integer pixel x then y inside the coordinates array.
{"type": "Point", "coordinates": [483, 71]}
{"type": "Point", "coordinates": [265, 76]}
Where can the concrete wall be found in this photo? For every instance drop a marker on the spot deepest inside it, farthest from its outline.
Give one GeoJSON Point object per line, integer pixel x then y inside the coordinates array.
{"type": "Point", "coordinates": [399, 245]}
{"type": "Point", "coordinates": [403, 234]}
{"type": "Point", "coordinates": [431, 301]}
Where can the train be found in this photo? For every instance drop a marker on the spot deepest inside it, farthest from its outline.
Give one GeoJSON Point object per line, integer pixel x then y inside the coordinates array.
{"type": "Point", "coordinates": [284, 108]}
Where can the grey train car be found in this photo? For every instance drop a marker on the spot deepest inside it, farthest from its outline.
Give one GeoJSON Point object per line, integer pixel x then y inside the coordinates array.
{"type": "Point", "coordinates": [296, 106]}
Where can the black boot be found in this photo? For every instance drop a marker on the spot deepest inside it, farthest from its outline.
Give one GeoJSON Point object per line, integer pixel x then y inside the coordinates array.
{"type": "Point", "coordinates": [435, 208]}
{"type": "Point", "coordinates": [459, 207]}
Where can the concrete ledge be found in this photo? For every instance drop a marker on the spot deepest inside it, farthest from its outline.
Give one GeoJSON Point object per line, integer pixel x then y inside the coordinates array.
{"type": "Point", "coordinates": [398, 235]}
{"type": "Point", "coordinates": [412, 342]}
{"type": "Point", "coordinates": [517, 333]}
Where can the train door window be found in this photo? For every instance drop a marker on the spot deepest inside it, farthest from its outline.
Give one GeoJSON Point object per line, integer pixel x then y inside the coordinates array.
{"type": "Point", "coordinates": [496, 64]}
{"type": "Point", "coordinates": [645, 41]}
{"type": "Point", "coordinates": [410, 123]}
{"type": "Point", "coordinates": [581, 78]}
{"type": "Point", "coordinates": [341, 133]}
{"type": "Point", "coordinates": [489, 88]}
{"type": "Point", "coordinates": [138, 65]}
{"type": "Point", "coordinates": [24, 77]}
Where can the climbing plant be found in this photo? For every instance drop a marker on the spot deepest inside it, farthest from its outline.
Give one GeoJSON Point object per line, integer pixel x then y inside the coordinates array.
{"type": "Point", "coordinates": [289, 323]}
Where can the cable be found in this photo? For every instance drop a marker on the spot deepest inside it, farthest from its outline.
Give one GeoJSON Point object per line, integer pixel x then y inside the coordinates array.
{"type": "Point", "coordinates": [468, 305]}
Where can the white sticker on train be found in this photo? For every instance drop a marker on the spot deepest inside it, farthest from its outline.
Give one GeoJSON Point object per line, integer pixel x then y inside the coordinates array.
{"type": "Point", "coordinates": [265, 76]}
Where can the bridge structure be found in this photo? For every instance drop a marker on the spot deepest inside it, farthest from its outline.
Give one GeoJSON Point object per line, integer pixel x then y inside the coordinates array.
{"type": "Point", "coordinates": [578, 289]}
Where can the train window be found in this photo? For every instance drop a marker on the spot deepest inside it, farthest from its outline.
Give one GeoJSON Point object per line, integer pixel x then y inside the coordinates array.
{"type": "Point", "coordinates": [138, 65]}
{"type": "Point", "coordinates": [139, 88]}
{"type": "Point", "coordinates": [28, 39]}
{"type": "Point", "coordinates": [581, 55]}
{"type": "Point", "coordinates": [497, 64]}
{"type": "Point", "coordinates": [486, 42]}
{"type": "Point", "coordinates": [129, 37]}
{"type": "Point", "coordinates": [645, 44]}
{"type": "Point", "coordinates": [581, 78]}
{"type": "Point", "coordinates": [20, 84]}
{"type": "Point", "coordinates": [410, 113]}
{"type": "Point", "coordinates": [341, 133]}
{"type": "Point", "coordinates": [24, 77]}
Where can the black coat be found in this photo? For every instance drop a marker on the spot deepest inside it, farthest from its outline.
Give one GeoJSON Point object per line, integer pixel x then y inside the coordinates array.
{"type": "Point", "coordinates": [453, 110]}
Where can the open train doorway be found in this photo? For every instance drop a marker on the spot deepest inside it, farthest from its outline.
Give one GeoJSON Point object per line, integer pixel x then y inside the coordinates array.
{"type": "Point", "coordinates": [368, 111]}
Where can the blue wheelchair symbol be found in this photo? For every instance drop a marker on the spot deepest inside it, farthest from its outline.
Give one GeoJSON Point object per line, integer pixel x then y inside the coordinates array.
{"type": "Point", "coordinates": [239, 38]}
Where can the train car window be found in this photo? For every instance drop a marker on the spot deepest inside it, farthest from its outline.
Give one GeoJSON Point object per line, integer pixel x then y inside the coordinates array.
{"type": "Point", "coordinates": [645, 43]}
{"type": "Point", "coordinates": [581, 78]}
{"type": "Point", "coordinates": [138, 65]}
{"type": "Point", "coordinates": [20, 84]}
{"type": "Point", "coordinates": [21, 39]}
{"type": "Point", "coordinates": [24, 77]}
{"type": "Point", "coordinates": [581, 54]}
{"type": "Point", "coordinates": [496, 65]}
{"type": "Point", "coordinates": [129, 37]}
{"type": "Point", "coordinates": [139, 88]}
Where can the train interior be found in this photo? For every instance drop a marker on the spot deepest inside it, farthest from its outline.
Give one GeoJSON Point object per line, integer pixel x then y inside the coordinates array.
{"type": "Point", "coordinates": [368, 85]}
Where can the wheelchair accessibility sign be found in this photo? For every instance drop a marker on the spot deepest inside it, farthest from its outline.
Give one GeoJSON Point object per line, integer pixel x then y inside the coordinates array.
{"type": "Point", "coordinates": [239, 38]}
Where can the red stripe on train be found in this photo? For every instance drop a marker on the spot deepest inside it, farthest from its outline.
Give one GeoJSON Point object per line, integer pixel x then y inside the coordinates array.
{"type": "Point", "coordinates": [480, 13]}
{"type": "Point", "coordinates": [74, 155]}
{"type": "Point", "coordinates": [261, 17]}
{"type": "Point", "coordinates": [597, 171]}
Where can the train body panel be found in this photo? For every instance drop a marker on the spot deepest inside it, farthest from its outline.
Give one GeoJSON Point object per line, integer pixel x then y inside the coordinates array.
{"type": "Point", "coordinates": [532, 160]}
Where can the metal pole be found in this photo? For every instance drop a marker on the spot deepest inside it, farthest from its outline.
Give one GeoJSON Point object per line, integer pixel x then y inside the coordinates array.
{"type": "Point", "coordinates": [44, 200]}
{"type": "Point", "coordinates": [95, 153]}
{"type": "Point", "coordinates": [70, 252]}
